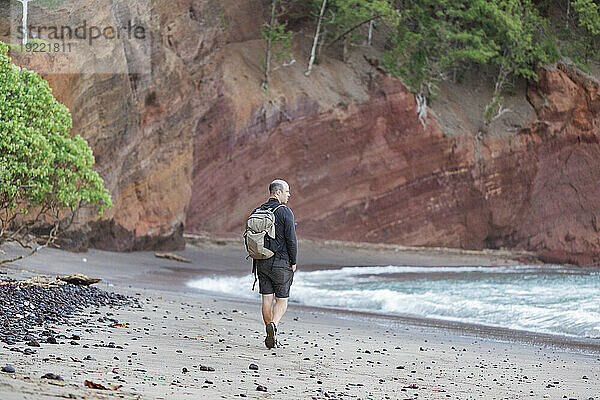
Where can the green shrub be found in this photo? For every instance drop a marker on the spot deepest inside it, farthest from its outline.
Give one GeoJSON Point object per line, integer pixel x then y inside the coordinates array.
{"type": "Point", "coordinates": [45, 174]}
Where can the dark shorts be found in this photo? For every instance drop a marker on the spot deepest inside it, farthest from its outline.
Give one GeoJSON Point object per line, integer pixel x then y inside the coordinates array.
{"type": "Point", "coordinates": [275, 276]}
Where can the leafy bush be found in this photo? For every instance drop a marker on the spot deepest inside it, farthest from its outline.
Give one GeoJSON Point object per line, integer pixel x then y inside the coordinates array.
{"type": "Point", "coordinates": [45, 174]}
{"type": "Point", "coordinates": [439, 36]}
{"type": "Point", "coordinates": [588, 18]}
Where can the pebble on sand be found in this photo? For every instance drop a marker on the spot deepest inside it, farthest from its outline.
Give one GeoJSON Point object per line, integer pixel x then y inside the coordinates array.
{"type": "Point", "coordinates": [8, 368]}
{"type": "Point", "coordinates": [50, 375]}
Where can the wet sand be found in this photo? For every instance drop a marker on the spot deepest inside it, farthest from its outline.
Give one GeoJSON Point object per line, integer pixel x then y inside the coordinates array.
{"type": "Point", "coordinates": [165, 347]}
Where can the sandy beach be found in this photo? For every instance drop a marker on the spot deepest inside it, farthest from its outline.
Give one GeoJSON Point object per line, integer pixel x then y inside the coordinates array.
{"type": "Point", "coordinates": [176, 342]}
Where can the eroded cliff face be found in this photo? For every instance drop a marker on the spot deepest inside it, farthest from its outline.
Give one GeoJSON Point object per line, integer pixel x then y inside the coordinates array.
{"type": "Point", "coordinates": [139, 125]}
{"type": "Point", "coordinates": [194, 144]}
{"type": "Point", "coordinates": [363, 168]}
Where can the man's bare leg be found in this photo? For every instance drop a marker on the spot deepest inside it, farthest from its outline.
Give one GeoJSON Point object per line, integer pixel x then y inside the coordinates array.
{"type": "Point", "coordinates": [279, 308]}
{"type": "Point", "coordinates": [267, 308]}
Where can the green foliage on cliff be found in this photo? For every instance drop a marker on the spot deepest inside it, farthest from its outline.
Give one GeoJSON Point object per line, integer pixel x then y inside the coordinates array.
{"type": "Point", "coordinates": [429, 41]}
{"type": "Point", "coordinates": [45, 174]}
{"type": "Point", "coordinates": [277, 38]}
{"type": "Point", "coordinates": [588, 20]}
{"type": "Point", "coordinates": [349, 15]}
{"type": "Point", "coordinates": [440, 37]}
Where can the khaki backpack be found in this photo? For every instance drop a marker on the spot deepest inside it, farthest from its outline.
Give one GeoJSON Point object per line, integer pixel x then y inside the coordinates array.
{"type": "Point", "coordinates": [260, 223]}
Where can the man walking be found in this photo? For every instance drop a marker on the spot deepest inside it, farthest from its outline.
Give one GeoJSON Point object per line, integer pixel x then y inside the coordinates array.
{"type": "Point", "coordinates": [275, 274]}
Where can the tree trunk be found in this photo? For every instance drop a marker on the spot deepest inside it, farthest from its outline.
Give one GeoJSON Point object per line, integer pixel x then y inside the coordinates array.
{"type": "Point", "coordinates": [269, 45]}
{"type": "Point", "coordinates": [313, 52]}
{"type": "Point", "coordinates": [421, 101]}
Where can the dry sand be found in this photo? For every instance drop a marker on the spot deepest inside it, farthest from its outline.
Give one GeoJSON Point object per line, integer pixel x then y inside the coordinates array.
{"type": "Point", "coordinates": [326, 354]}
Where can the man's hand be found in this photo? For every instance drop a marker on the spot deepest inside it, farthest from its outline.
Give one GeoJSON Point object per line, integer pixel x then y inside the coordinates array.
{"type": "Point", "coordinates": [294, 268]}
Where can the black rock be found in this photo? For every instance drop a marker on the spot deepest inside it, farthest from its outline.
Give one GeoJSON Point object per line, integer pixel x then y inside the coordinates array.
{"type": "Point", "coordinates": [206, 368]}
{"type": "Point", "coordinates": [51, 340]}
{"type": "Point", "coordinates": [33, 343]}
{"type": "Point", "coordinates": [8, 368]}
{"type": "Point", "coordinates": [253, 367]}
{"type": "Point", "coordinates": [90, 358]}
{"type": "Point", "coordinates": [42, 306]}
{"type": "Point", "coordinates": [261, 388]}
{"type": "Point", "coordinates": [50, 375]}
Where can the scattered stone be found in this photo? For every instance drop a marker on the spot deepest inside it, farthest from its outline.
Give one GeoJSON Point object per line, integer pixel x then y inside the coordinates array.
{"type": "Point", "coordinates": [50, 375]}
{"type": "Point", "coordinates": [51, 340]}
{"type": "Point", "coordinates": [94, 385]}
{"type": "Point", "coordinates": [8, 368]}
{"type": "Point", "coordinates": [89, 358]}
{"type": "Point", "coordinates": [184, 370]}
{"type": "Point", "coordinates": [79, 279]}
{"type": "Point", "coordinates": [253, 367]}
{"type": "Point", "coordinates": [36, 305]}
{"type": "Point", "coordinates": [261, 388]}
{"type": "Point", "coordinates": [206, 368]}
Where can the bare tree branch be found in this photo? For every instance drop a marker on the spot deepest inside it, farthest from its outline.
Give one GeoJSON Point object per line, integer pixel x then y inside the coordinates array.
{"type": "Point", "coordinates": [352, 29]}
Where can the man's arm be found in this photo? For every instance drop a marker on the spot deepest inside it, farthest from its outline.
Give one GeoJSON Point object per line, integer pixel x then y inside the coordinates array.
{"type": "Point", "coordinates": [290, 237]}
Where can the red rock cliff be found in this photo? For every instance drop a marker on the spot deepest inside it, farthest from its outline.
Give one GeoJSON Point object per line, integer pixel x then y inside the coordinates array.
{"type": "Point", "coordinates": [196, 142]}
{"type": "Point", "coordinates": [363, 168]}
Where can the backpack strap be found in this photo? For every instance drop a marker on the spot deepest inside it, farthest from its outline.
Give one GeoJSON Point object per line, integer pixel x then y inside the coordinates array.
{"type": "Point", "coordinates": [275, 209]}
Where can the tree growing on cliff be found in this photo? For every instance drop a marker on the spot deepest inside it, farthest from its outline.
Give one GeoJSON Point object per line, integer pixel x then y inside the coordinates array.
{"type": "Point", "coordinates": [343, 18]}
{"type": "Point", "coordinates": [350, 15]}
{"type": "Point", "coordinates": [46, 175]}
{"type": "Point", "coordinates": [437, 37]}
{"type": "Point", "coordinates": [588, 18]}
{"type": "Point", "coordinates": [278, 40]}
{"type": "Point", "coordinates": [515, 32]}
{"type": "Point", "coordinates": [425, 46]}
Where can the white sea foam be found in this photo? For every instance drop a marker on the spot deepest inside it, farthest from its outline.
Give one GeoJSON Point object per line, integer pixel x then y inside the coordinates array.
{"type": "Point", "coordinates": [550, 300]}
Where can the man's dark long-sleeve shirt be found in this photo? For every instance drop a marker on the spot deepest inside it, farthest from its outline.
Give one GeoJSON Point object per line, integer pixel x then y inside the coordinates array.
{"type": "Point", "coordinates": [285, 245]}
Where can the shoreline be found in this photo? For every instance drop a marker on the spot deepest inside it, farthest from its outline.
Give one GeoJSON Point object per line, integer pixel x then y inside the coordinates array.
{"type": "Point", "coordinates": [481, 331]}
{"type": "Point", "coordinates": [175, 276]}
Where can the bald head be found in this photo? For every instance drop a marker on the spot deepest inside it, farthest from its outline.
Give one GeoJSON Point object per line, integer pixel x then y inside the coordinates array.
{"type": "Point", "coordinates": [280, 190]}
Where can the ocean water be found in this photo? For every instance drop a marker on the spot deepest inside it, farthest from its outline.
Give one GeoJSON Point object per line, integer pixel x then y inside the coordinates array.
{"type": "Point", "coordinates": [548, 299]}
